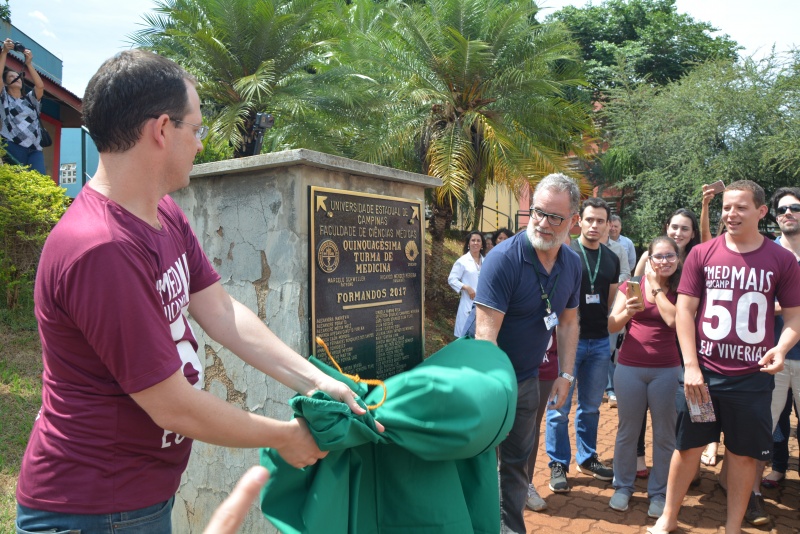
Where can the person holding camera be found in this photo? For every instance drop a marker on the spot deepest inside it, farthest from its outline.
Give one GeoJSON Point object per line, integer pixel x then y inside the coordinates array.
{"type": "Point", "coordinates": [20, 126]}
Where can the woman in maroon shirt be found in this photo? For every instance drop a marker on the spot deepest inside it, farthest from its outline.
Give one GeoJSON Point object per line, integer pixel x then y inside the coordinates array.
{"type": "Point", "coordinates": [647, 374]}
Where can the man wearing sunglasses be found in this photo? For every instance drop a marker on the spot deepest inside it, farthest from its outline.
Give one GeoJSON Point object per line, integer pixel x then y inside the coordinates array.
{"type": "Point", "coordinates": [529, 284]}
{"type": "Point", "coordinates": [725, 321]}
{"type": "Point", "coordinates": [786, 205]}
{"type": "Point", "coordinates": [123, 395]}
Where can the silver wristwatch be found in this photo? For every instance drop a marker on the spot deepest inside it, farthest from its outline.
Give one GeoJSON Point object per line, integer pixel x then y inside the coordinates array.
{"type": "Point", "coordinates": [568, 377]}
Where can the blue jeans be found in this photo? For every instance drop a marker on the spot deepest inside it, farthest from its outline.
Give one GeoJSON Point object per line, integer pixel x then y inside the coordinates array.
{"type": "Point", "coordinates": [156, 519]}
{"type": "Point", "coordinates": [612, 367]}
{"type": "Point", "coordinates": [26, 156]}
{"type": "Point", "coordinates": [591, 376]}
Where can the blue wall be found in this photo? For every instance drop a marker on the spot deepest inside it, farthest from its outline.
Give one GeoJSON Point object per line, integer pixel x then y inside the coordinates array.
{"type": "Point", "coordinates": [78, 148]}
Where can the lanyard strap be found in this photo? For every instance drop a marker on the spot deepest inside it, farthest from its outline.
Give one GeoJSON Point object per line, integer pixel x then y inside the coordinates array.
{"type": "Point", "coordinates": [592, 276]}
{"type": "Point", "coordinates": [545, 295]}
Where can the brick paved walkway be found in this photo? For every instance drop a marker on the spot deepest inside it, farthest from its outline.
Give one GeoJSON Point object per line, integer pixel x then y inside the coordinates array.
{"type": "Point", "coordinates": [585, 509]}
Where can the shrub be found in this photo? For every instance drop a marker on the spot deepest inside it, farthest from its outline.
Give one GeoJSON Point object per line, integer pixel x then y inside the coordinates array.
{"type": "Point", "coordinates": [30, 205]}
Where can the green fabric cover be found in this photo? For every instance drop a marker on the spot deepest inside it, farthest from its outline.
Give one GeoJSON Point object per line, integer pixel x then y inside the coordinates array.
{"type": "Point", "coordinates": [434, 469]}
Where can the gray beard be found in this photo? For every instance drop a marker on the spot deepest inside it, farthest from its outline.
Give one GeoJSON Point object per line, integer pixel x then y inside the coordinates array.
{"type": "Point", "coordinates": [540, 244]}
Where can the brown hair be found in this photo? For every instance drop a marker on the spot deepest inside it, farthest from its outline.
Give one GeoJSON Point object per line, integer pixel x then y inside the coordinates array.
{"type": "Point", "coordinates": [469, 236]}
{"type": "Point", "coordinates": [675, 277]}
{"type": "Point", "coordinates": [759, 197]}
{"type": "Point", "coordinates": [127, 90]}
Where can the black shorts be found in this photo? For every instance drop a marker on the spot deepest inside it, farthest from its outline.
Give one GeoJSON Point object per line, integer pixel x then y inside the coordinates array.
{"type": "Point", "coordinates": [742, 407]}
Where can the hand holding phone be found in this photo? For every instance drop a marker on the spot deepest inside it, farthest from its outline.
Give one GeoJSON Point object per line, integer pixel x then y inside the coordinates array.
{"type": "Point", "coordinates": [634, 291]}
{"type": "Point", "coordinates": [717, 187]}
{"type": "Point", "coordinates": [713, 189]}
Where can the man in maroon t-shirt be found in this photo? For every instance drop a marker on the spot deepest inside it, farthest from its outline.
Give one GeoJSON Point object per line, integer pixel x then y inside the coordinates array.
{"type": "Point", "coordinates": [725, 315]}
{"type": "Point", "coordinates": [121, 396]}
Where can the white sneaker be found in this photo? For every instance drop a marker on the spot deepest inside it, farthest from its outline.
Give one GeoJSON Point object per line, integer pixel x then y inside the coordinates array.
{"type": "Point", "coordinates": [640, 463]}
{"type": "Point", "coordinates": [612, 400]}
{"type": "Point", "coordinates": [534, 501]}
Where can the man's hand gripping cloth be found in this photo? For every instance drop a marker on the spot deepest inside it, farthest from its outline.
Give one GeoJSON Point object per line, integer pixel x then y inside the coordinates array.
{"type": "Point", "coordinates": [434, 469]}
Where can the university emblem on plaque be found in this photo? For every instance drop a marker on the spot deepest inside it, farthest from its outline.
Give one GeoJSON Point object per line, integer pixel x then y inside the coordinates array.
{"type": "Point", "coordinates": [411, 251]}
{"type": "Point", "coordinates": [328, 256]}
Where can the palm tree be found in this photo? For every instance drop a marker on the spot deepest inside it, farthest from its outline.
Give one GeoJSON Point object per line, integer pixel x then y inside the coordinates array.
{"type": "Point", "coordinates": [257, 55]}
{"type": "Point", "coordinates": [475, 92]}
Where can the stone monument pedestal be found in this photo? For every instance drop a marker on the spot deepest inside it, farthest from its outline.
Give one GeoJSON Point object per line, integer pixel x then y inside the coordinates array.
{"type": "Point", "coordinates": [251, 216]}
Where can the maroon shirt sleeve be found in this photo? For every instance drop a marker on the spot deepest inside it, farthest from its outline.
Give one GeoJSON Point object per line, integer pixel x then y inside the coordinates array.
{"type": "Point", "coordinates": [692, 275]}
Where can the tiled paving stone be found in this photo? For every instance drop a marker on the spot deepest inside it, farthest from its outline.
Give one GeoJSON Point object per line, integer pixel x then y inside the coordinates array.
{"type": "Point", "coordinates": [585, 508]}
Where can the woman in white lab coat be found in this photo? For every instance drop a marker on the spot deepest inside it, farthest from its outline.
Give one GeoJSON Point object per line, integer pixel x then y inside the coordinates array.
{"type": "Point", "coordinates": [464, 279]}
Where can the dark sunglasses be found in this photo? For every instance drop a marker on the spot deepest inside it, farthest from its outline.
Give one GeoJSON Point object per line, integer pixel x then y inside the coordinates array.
{"type": "Point", "coordinates": [781, 210]}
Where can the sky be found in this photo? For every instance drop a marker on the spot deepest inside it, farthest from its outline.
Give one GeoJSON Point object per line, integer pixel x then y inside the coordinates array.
{"type": "Point", "coordinates": [83, 33]}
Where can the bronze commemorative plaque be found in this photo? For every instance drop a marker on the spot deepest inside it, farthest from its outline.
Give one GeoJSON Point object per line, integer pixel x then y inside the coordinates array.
{"type": "Point", "coordinates": [366, 263]}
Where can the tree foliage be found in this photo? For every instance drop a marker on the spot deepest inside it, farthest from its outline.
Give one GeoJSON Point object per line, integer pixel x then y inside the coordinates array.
{"type": "Point", "coordinates": [253, 56]}
{"type": "Point", "coordinates": [782, 146]}
{"type": "Point", "coordinates": [474, 93]}
{"type": "Point", "coordinates": [658, 43]}
{"type": "Point", "coordinates": [5, 11]}
{"type": "Point", "coordinates": [468, 90]}
{"type": "Point", "coordinates": [30, 205]}
{"type": "Point", "coordinates": [722, 121]}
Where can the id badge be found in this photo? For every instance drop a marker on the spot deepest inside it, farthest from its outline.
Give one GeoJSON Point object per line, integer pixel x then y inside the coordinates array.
{"type": "Point", "coordinates": [551, 320]}
{"type": "Point", "coordinates": [593, 299]}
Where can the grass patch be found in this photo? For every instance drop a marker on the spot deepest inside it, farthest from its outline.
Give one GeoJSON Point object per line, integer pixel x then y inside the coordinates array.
{"type": "Point", "coordinates": [20, 398]}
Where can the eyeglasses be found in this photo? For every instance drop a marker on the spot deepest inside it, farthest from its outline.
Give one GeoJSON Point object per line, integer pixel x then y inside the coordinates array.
{"type": "Point", "coordinates": [553, 219]}
{"type": "Point", "coordinates": [664, 258]}
{"type": "Point", "coordinates": [780, 211]}
{"type": "Point", "coordinates": [200, 133]}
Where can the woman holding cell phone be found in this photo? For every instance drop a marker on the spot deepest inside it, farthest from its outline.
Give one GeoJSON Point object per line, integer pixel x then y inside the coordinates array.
{"type": "Point", "coordinates": [648, 372]}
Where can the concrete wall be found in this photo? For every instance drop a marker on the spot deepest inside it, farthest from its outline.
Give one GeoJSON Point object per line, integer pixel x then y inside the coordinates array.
{"type": "Point", "coordinates": [251, 216]}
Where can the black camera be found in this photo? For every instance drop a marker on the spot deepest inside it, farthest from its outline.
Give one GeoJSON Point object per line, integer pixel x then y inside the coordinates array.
{"type": "Point", "coordinates": [264, 121]}
{"type": "Point", "coordinates": [19, 47]}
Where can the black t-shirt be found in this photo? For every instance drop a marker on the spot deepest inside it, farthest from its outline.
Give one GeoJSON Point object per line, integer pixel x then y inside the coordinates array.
{"type": "Point", "coordinates": [594, 316]}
